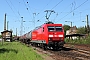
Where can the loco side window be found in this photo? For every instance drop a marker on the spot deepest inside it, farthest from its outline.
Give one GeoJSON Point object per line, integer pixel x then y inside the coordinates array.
{"type": "Point", "coordinates": [43, 29]}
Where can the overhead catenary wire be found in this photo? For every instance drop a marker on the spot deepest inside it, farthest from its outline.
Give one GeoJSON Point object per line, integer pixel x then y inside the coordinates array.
{"type": "Point", "coordinates": [18, 7]}
{"type": "Point", "coordinates": [45, 6]}
{"type": "Point", "coordinates": [73, 6]}
{"type": "Point", "coordinates": [11, 8]}
{"type": "Point", "coordinates": [55, 17]}
{"type": "Point", "coordinates": [74, 9]}
{"type": "Point", "coordinates": [28, 9]}
{"type": "Point", "coordinates": [15, 9]}
{"type": "Point", "coordinates": [61, 12]}
{"type": "Point", "coordinates": [55, 6]}
{"type": "Point", "coordinates": [43, 11]}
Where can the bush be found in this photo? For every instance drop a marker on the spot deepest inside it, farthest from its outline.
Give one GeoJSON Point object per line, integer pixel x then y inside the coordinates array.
{"type": "Point", "coordinates": [77, 41]}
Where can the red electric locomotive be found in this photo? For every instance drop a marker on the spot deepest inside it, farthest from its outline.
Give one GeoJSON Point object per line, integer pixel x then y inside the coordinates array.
{"type": "Point", "coordinates": [48, 35]}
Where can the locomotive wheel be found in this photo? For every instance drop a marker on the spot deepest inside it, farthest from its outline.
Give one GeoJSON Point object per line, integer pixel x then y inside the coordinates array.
{"type": "Point", "coordinates": [44, 46]}
{"type": "Point", "coordinates": [55, 48]}
{"type": "Point", "coordinates": [36, 45]}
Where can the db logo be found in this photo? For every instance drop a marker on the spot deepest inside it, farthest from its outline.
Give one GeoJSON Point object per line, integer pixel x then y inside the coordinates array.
{"type": "Point", "coordinates": [55, 35]}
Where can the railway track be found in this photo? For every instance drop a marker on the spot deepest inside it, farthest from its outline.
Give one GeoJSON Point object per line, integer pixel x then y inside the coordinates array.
{"type": "Point", "coordinates": [83, 51]}
{"type": "Point", "coordinates": [67, 53]}
{"type": "Point", "coordinates": [82, 54]}
{"type": "Point", "coordinates": [75, 54]}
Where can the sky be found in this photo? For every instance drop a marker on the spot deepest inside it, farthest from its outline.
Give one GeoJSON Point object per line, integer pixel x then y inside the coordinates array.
{"type": "Point", "coordinates": [33, 13]}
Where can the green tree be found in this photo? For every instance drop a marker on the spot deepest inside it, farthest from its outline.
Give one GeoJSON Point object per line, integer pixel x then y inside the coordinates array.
{"type": "Point", "coordinates": [66, 27]}
{"type": "Point", "coordinates": [81, 30]}
{"type": "Point", "coordinates": [0, 36]}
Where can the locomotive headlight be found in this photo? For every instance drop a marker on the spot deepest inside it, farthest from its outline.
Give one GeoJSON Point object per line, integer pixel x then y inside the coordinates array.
{"type": "Point", "coordinates": [60, 35]}
{"type": "Point", "coordinates": [50, 35]}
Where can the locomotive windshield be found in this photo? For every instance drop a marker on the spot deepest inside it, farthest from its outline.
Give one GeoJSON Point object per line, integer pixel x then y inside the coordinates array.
{"type": "Point", "coordinates": [54, 28]}
{"type": "Point", "coordinates": [51, 28]}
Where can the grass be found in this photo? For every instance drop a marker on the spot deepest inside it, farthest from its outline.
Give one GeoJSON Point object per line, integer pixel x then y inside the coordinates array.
{"type": "Point", "coordinates": [17, 51]}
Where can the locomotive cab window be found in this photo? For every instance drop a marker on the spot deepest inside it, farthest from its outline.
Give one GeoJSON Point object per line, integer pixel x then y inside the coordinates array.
{"type": "Point", "coordinates": [51, 28]}
{"type": "Point", "coordinates": [58, 28]}
{"type": "Point", "coordinates": [54, 28]}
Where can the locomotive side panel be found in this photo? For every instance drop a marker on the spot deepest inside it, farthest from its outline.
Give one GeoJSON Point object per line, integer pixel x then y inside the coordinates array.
{"type": "Point", "coordinates": [38, 35]}
{"type": "Point", "coordinates": [34, 35]}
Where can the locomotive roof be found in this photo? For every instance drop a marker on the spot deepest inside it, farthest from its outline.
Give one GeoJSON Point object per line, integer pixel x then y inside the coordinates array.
{"type": "Point", "coordinates": [49, 22]}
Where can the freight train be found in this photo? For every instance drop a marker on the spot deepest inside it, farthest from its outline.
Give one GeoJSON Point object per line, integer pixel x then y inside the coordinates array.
{"type": "Point", "coordinates": [48, 35]}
